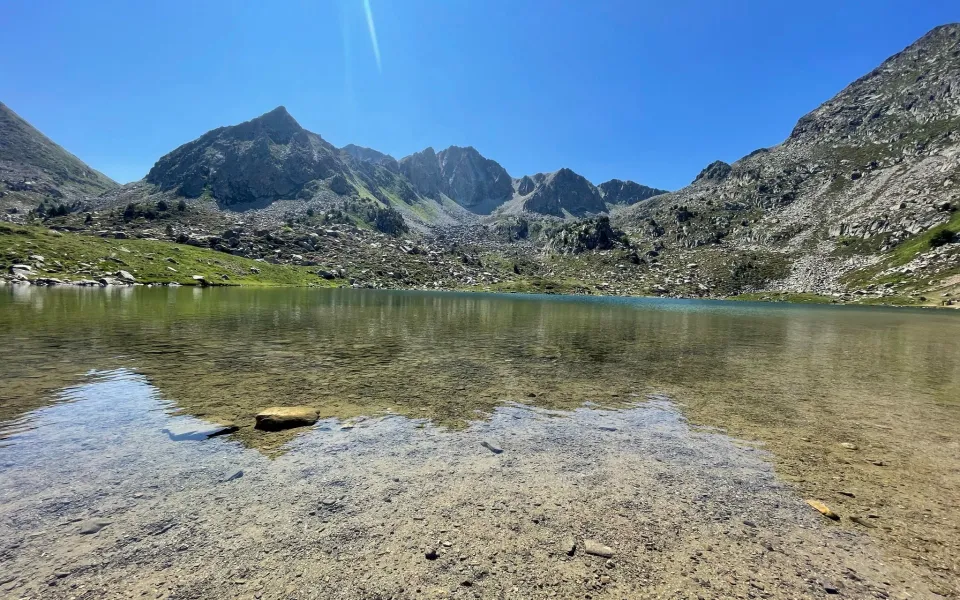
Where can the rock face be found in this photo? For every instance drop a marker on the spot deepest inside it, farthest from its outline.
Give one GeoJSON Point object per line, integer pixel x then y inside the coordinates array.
{"type": "Point", "coordinates": [33, 168]}
{"type": "Point", "coordinates": [583, 236]}
{"type": "Point", "coordinates": [715, 171]}
{"type": "Point", "coordinates": [285, 417]}
{"type": "Point", "coordinates": [462, 174]}
{"type": "Point", "coordinates": [870, 168]}
{"type": "Point", "coordinates": [625, 193]}
{"type": "Point", "coordinates": [560, 194]}
{"type": "Point", "coordinates": [369, 155]}
{"type": "Point", "coordinates": [259, 161]}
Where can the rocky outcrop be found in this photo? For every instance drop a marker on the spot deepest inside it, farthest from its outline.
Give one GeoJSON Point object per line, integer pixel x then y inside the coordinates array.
{"type": "Point", "coordinates": [715, 171]}
{"type": "Point", "coordinates": [625, 193]}
{"type": "Point", "coordinates": [586, 235]}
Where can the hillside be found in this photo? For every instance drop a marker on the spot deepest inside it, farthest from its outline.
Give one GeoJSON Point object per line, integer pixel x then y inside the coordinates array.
{"type": "Point", "coordinates": [834, 206]}
{"type": "Point", "coordinates": [34, 169]}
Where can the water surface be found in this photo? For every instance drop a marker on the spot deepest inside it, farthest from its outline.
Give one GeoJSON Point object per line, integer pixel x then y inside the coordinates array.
{"type": "Point", "coordinates": [796, 381]}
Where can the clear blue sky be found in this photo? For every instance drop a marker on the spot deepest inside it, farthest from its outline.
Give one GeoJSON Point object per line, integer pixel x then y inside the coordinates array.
{"type": "Point", "coordinates": [644, 90]}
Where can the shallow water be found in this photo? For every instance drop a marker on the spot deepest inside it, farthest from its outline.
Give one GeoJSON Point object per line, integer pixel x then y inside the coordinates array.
{"type": "Point", "coordinates": [89, 379]}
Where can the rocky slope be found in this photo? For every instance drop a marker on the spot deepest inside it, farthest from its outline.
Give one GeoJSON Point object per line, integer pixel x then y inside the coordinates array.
{"type": "Point", "coordinates": [870, 169]}
{"type": "Point", "coordinates": [34, 169]}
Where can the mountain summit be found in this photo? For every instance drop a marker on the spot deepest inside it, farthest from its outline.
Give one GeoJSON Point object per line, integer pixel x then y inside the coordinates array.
{"type": "Point", "coordinates": [258, 161]}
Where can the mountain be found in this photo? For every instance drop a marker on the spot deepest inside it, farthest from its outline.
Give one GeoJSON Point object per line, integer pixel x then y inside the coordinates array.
{"type": "Point", "coordinates": [871, 168]}
{"type": "Point", "coordinates": [625, 193]}
{"type": "Point", "coordinates": [273, 158]}
{"type": "Point", "coordinates": [461, 174]}
{"type": "Point", "coordinates": [258, 161]}
{"type": "Point", "coordinates": [34, 169]}
{"type": "Point", "coordinates": [562, 193]}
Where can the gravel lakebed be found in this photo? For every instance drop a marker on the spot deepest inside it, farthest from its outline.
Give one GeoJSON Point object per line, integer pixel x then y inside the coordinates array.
{"type": "Point", "coordinates": [97, 501]}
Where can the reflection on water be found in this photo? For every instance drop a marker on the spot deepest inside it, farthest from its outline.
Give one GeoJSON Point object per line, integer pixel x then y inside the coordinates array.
{"type": "Point", "coordinates": [223, 355]}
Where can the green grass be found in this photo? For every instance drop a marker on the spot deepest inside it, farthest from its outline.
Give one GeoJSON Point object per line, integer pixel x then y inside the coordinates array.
{"type": "Point", "coordinates": [901, 254]}
{"type": "Point", "coordinates": [908, 249]}
{"type": "Point", "coordinates": [796, 298]}
{"type": "Point", "coordinates": [148, 260]}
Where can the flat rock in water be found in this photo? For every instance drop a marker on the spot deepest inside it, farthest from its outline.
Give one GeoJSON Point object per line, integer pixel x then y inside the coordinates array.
{"type": "Point", "coordinates": [824, 509]}
{"type": "Point", "coordinates": [597, 549]}
{"type": "Point", "coordinates": [276, 418]}
{"type": "Point", "coordinates": [91, 526]}
{"type": "Point", "coordinates": [182, 432]}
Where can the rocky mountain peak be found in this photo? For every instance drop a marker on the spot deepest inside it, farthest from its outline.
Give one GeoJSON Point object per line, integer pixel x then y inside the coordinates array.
{"type": "Point", "coordinates": [461, 174]}
{"type": "Point", "coordinates": [617, 191]}
{"type": "Point", "coordinates": [715, 171]}
{"type": "Point", "coordinates": [258, 161]}
{"type": "Point", "coordinates": [277, 125]}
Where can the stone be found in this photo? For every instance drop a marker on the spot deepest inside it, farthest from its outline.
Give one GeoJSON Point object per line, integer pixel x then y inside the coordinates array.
{"type": "Point", "coordinates": [848, 445]}
{"type": "Point", "coordinates": [569, 546]}
{"type": "Point", "coordinates": [431, 554]}
{"type": "Point", "coordinates": [126, 276]}
{"type": "Point", "coordinates": [276, 418]}
{"type": "Point", "coordinates": [597, 549]}
{"type": "Point", "coordinates": [235, 476]}
{"type": "Point", "coordinates": [197, 431]}
{"type": "Point", "coordinates": [823, 509]}
{"type": "Point", "coordinates": [491, 447]}
{"type": "Point", "coordinates": [863, 522]}
{"type": "Point", "coordinates": [92, 526]}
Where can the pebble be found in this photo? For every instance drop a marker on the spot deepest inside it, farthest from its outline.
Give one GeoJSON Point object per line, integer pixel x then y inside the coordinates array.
{"type": "Point", "coordinates": [863, 522]}
{"type": "Point", "coordinates": [848, 445]}
{"type": "Point", "coordinates": [597, 549]}
{"type": "Point", "coordinates": [824, 509]}
{"type": "Point", "coordinates": [431, 554]}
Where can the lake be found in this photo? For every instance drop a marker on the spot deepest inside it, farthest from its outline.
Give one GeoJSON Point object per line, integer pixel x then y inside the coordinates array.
{"type": "Point", "coordinates": [682, 435]}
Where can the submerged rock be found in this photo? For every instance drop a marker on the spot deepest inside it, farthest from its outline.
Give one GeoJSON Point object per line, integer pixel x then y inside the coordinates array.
{"type": "Point", "coordinates": [182, 432]}
{"type": "Point", "coordinates": [276, 418]}
{"type": "Point", "coordinates": [492, 447]}
{"type": "Point", "coordinates": [92, 526]}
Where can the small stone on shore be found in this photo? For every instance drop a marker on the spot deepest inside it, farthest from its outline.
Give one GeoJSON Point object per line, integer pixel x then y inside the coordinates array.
{"type": "Point", "coordinates": [824, 509]}
{"type": "Point", "coordinates": [492, 447]}
{"type": "Point", "coordinates": [597, 549]}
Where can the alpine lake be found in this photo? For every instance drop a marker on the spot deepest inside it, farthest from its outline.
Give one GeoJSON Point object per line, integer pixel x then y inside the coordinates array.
{"type": "Point", "coordinates": [473, 445]}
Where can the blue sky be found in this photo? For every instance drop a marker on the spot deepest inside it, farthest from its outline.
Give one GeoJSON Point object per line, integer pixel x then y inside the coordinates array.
{"type": "Point", "coordinates": [649, 91]}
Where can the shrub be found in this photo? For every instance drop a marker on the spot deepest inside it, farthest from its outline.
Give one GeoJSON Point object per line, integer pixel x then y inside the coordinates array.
{"type": "Point", "coordinates": [162, 206]}
{"type": "Point", "coordinates": [944, 236]}
{"type": "Point", "coordinates": [181, 206]}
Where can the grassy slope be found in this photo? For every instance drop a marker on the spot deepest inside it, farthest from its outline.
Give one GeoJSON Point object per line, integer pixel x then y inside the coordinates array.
{"type": "Point", "coordinates": [147, 260]}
